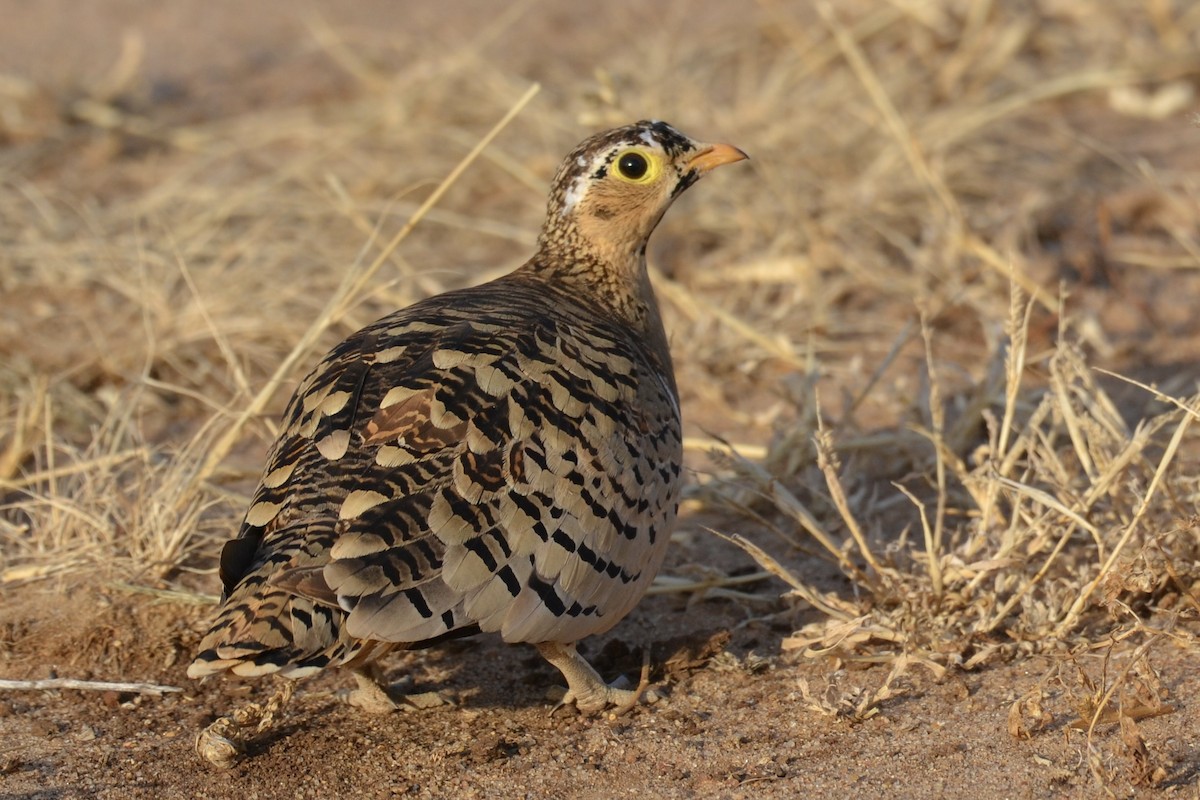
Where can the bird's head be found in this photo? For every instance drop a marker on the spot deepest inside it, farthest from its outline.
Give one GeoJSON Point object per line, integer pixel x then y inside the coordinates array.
{"type": "Point", "coordinates": [612, 190]}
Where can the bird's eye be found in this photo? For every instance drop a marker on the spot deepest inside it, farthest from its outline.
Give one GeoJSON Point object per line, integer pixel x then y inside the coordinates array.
{"type": "Point", "coordinates": [633, 165]}
{"type": "Point", "coordinates": [637, 166]}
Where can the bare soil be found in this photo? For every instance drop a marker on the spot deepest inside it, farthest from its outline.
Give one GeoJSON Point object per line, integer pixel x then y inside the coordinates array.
{"type": "Point", "coordinates": [733, 727]}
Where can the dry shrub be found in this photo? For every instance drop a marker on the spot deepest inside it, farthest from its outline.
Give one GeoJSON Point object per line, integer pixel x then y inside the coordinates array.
{"type": "Point", "coordinates": [1060, 510]}
{"type": "Point", "coordinates": [1061, 531]}
{"type": "Point", "coordinates": [114, 507]}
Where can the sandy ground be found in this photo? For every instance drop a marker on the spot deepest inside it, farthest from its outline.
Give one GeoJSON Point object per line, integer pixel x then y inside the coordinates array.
{"type": "Point", "coordinates": [734, 727]}
{"type": "Point", "coordinates": [737, 718]}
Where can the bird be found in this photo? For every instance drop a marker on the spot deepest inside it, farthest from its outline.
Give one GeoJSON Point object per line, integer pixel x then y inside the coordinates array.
{"type": "Point", "coordinates": [500, 459]}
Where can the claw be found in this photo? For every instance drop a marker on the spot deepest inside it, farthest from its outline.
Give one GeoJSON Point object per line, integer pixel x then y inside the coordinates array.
{"type": "Point", "coordinates": [635, 695]}
{"type": "Point", "coordinates": [585, 688]}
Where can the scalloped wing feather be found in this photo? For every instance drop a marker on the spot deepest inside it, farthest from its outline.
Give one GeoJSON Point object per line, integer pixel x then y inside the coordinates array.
{"type": "Point", "coordinates": [496, 457]}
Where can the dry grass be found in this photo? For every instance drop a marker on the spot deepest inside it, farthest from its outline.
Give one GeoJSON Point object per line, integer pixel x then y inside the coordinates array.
{"type": "Point", "coordinates": [956, 212]}
{"type": "Point", "coordinates": [1058, 509]}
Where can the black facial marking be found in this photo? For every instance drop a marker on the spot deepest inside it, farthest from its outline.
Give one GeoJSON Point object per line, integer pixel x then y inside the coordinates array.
{"type": "Point", "coordinates": [685, 180]}
{"type": "Point", "coordinates": [667, 137]}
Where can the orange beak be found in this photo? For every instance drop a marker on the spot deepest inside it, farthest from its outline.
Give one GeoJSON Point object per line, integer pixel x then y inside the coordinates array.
{"type": "Point", "coordinates": [714, 156]}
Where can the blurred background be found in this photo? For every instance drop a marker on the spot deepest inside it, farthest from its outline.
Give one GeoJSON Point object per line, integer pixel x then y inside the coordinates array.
{"type": "Point", "coordinates": [168, 168]}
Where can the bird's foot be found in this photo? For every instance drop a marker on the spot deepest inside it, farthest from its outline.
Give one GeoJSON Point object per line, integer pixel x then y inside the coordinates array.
{"type": "Point", "coordinates": [373, 697]}
{"type": "Point", "coordinates": [587, 691]}
{"type": "Point", "coordinates": [223, 743]}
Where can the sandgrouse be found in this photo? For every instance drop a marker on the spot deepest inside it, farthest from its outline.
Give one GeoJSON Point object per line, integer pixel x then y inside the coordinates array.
{"type": "Point", "coordinates": [503, 459]}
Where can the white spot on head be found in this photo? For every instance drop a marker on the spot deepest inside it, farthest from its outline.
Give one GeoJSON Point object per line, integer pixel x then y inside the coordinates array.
{"type": "Point", "coordinates": [574, 194]}
{"type": "Point", "coordinates": [581, 161]}
{"type": "Point", "coordinates": [648, 138]}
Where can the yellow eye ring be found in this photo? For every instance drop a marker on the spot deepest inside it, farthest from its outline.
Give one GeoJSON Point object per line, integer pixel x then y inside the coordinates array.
{"type": "Point", "coordinates": [637, 165]}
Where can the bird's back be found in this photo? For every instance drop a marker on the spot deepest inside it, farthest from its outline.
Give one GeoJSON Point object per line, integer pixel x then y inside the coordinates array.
{"type": "Point", "coordinates": [503, 458]}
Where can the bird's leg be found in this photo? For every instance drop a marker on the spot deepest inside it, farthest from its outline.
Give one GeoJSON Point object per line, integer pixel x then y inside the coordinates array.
{"type": "Point", "coordinates": [585, 688]}
{"type": "Point", "coordinates": [224, 741]}
{"type": "Point", "coordinates": [374, 697]}
{"type": "Point", "coordinates": [371, 695]}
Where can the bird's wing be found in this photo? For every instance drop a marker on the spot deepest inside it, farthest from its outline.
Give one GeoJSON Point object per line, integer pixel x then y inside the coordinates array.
{"type": "Point", "coordinates": [461, 465]}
